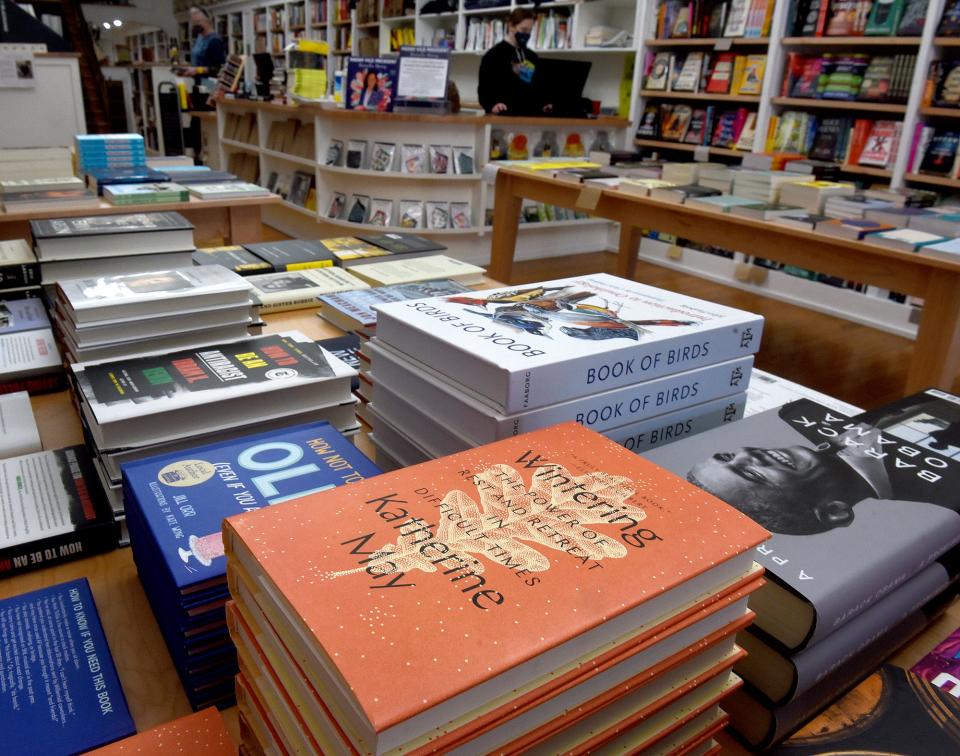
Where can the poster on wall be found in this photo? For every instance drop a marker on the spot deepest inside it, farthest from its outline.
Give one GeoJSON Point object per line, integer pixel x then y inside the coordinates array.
{"type": "Point", "coordinates": [371, 84]}
{"type": "Point", "coordinates": [16, 66]}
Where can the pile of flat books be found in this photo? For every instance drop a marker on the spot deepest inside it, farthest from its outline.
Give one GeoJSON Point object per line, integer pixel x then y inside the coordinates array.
{"type": "Point", "coordinates": [641, 365]}
{"type": "Point", "coordinates": [140, 406]}
{"type": "Point", "coordinates": [104, 245]}
{"type": "Point", "coordinates": [38, 195]}
{"type": "Point", "coordinates": [227, 190]}
{"type": "Point", "coordinates": [864, 553]}
{"type": "Point", "coordinates": [19, 270]}
{"type": "Point", "coordinates": [109, 151]}
{"type": "Point", "coordinates": [100, 179]}
{"type": "Point", "coordinates": [145, 194]}
{"type": "Point", "coordinates": [109, 317]}
{"type": "Point", "coordinates": [550, 593]}
{"type": "Point", "coordinates": [813, 195]}
{"type": "Point", "coordinates": [29, 359]}
{"type": "Point", "coordinates": [175, 504]}
{"type": "Point", "coordinates": [763, 186]}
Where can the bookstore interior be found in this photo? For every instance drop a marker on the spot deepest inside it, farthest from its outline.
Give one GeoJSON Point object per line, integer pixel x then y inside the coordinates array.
{"type": "Point", "coordinates": [676, 295]}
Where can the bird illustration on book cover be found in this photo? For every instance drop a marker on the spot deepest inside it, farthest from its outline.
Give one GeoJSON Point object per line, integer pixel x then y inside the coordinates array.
{"type": "Point", "coordinates": [538, 309]}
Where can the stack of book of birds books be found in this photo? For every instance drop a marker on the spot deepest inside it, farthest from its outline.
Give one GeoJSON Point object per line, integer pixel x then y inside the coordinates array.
{"type": "Point", "coordinates": [628, 360]}
{"type": "Point", "coordinates": [30, 195]}
{"type": "Point", "coordinates": [227, 190]}
{"type": "Point", "coordinates": [299, 289]}
{"type": "Point", "coordinates": [19, 270]}
{"type": "Point", "coordinates": [111, 245]}
{"type": "Point", "coordinates": [110, 317]}
{"type": "Point", "coordinates": [763, 186]}
{"type": "Point", "coordinates": [852, 206]}
{"type": "Point", "coordinates": [109, 151]}
{"type": "Point", "coordinates": [812, 195]}
{"type": "Point", "coordinates": [506, 593]}
{"type": "Point", "coordinates": [29, 358]}
{"type": "Point", "coordinates": [145, 194]}
{"type": "Point", "coordinates": [866, 526]}
{"type": "Point", "coordinates": [61, 690]}
{"type": "Point", "coordinates": [135, 407]}
{"type": "Point", "coordinates": [175, 504]}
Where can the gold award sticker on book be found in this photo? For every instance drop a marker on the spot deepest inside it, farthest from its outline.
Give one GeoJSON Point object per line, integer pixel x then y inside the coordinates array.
{"type": "Point", "coordinates": [186, 472]}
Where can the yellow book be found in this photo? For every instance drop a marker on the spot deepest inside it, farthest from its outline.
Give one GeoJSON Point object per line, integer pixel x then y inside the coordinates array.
{"type": "Point", "coordinates": [771, 133]}
{"type": "Point", "coordinates": [751, 81]}
{"type": "Point", "coordinates": [739, 64]}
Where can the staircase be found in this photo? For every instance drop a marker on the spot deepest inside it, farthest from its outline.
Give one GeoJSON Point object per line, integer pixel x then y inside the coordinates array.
{"type": "Point", "coordinates": [95, 103]}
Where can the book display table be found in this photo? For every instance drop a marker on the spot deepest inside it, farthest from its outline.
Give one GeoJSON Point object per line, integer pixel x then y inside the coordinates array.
{"type": "Point", "coordinates": [936, 356]}
{"type": "Point", "coordinates": [236, 221]}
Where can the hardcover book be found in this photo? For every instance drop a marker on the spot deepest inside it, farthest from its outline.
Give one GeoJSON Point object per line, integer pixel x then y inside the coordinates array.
{"type": "Point", "coordinates": [905, 239]}
{"type": "Point", "coordinates": [300, 288]}
{"type": "Point", "coordinates": [341, 550]}
{"type": "Point", "coordinates": [401, 244]}
{"type": "Point", "coordinates": [203, 732]}
{"type": "Point", "coordinates": [192, 391]}
{"type": "Point", "coordinates": [53, 510]}
{"type": "Point", "coordinates": [88, 300]}
{"type": "Point", "coordinates": [139, 194]}
{"type": "Point", "coordinates": [292, 254]}
{"type": "Point", "coordinates": [228, 190]}
{"type": "Point", "coordinates": [892, 711]}
{"type": "Point", "coordinates": [349, 250]}
{"type": "Point", "coordinates": [598, 332]}
{"type": "Point", "coordinates": [29, 360]}
{"type": "Point", "coordinates": [855, 509]}
{"type": "Point", "coordinates": [233, 257]}
{"type": "Point", "coordinates": [61, 693]}
{"type": "Point", "coordinates": [109, 235]}
{"type": "Point", "coordinates": [353, 310]}
{"type": "Point", "coordinates": [216, 481]}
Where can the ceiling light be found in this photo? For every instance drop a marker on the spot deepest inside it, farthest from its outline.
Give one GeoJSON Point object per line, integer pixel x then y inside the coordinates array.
{"type": "Point", "coordinates": [106, 24]}
{"type": "Point", "coordinates": [117, 22]}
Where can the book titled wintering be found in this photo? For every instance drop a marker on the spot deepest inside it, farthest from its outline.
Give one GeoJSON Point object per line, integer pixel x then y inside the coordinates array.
{"type": "Point", "coordinates": [530, 346]}
{"type": "Point", "coordinates": [183, 497]}
{"type": "Point", "coordinates": [59, 693]}
{"type": "Point", "coordinates": [857, 505]}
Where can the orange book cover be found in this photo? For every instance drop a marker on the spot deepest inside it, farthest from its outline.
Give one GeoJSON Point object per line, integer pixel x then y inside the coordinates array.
{"type": "Point", "coordinates": [203, 732]}
{"type": "Point", "coordinates": [469, 570]}
{"type": "Point", "coordinates": [253, 711]}
{"type": "Point", "coordinates": [248, 615]}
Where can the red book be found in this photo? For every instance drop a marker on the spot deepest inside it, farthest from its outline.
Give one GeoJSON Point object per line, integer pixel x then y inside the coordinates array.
{"type": "Point", "coordinates": [721, 74]}
{"type": "Point", "coordinates": [203, 732]}
{"type": "Point", "coordinates": [469, 576]}
{"type": "Point", "coordinates": [858, 139]}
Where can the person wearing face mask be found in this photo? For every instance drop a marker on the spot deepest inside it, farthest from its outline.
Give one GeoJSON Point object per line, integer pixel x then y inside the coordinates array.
{"type": "Point", "coordinates": [208, 52]}
{"type": "Point", "coordinates": [508, 81]}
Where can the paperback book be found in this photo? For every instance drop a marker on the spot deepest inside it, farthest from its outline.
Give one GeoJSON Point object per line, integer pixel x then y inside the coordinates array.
{"type": "Point", "coordinates": [300, 288]}
{"type": "Point", "coordinates": [292, 254]}
{"type": "Point", "coordinates": [354, 310]}
{"type": "Point", "coordinates": [111, 235]}
{"type": "Point", "coordinates": [233, 257]}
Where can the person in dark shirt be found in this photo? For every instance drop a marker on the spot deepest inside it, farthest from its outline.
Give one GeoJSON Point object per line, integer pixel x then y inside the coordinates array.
{"type": "Point", "coordinates": [208, 52]}
{"type": "Point", "coordinates": [508, 82]}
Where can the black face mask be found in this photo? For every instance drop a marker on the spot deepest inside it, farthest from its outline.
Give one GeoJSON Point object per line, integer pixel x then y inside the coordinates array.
{"type": "Point", "coordinates": [197, 31]}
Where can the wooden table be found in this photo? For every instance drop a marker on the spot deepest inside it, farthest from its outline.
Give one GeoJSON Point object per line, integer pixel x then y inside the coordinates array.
{"type": "Point", "coordinates": [236, 221]}
{"type": "Point", "coordinates": [936, 355]}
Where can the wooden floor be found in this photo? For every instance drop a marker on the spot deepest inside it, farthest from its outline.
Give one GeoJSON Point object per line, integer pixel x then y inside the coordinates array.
{"type": "Point", "coordinates": [855, 363]}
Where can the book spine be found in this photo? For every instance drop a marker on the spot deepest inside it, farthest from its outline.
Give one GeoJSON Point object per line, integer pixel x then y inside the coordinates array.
{"type": "Point", "coordinates": [17, 275]}
{"type": "Point", "coordinates": [308, 265]}
{"type": "Point", "coordinates": [540, 386]}
{"type": "Point", "coordinates": [631, 404]}
{"type": "Point", "coordinates": [40, 384]}
{"type": "Point", "coordinates": [45, 552]}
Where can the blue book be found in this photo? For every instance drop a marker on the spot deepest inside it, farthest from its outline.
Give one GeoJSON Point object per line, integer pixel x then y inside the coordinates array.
{"type": "Point", "coordinates": [22, 315]}
{"type": "Point", "coordinates": [182, 498]}
{"type": "Point", "coordinates": [61, 693]}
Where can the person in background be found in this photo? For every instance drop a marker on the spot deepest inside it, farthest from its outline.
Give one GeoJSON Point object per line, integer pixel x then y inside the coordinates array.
{"type": "Point", "coordinates": [206, 57]}
{"type": "Point", "coordinates": [508, 82]}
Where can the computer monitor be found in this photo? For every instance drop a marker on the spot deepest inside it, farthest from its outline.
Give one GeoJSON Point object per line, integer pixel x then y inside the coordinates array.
{"type": "Point", "coordinates": [562, 82]}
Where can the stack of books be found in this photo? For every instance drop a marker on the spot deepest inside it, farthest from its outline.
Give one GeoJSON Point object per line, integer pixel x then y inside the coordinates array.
{"type": "Point", "coordinates": [175, 504]}
{"type": "Point", "coordinates": [29, 359]}
{"type": "Point", "coordinates": [145, 194]}
{"type": "Point", "coordinates": [125, 316]}
{"type": "Point", "coordinates": [96, 151]}
{"type": "Point", "coordinates": [98, 179]}
{"type": "Point", "coordinates": [630, 361]}
{"type": "Point", "coordinates": [61, 694]}
{"type": "Point", "coordinates": [852, 206]}
{"type": "Point", "coordinates": [136, 407]}
{"type": "Point", "coordinates": [717, 176]}
{"type": "Point", "coordinates": [763, 186]}
{"type": "Point", "coordinates": [203, 732]}
{"type": "Point", "coordinates": [227, 190]}
{"type": "Point", "coordinates": [107, 245]}
{"type": "Point", "coordinates": [508, 590]}
{"type": "Point", "coordinates": [865, 547]}
{"type": "Point", "coordinates": [812, 195]}
{"type": "Point", "coordinates": [31, 195]}
{"type": "Point", "coordinates": [19, 270]}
